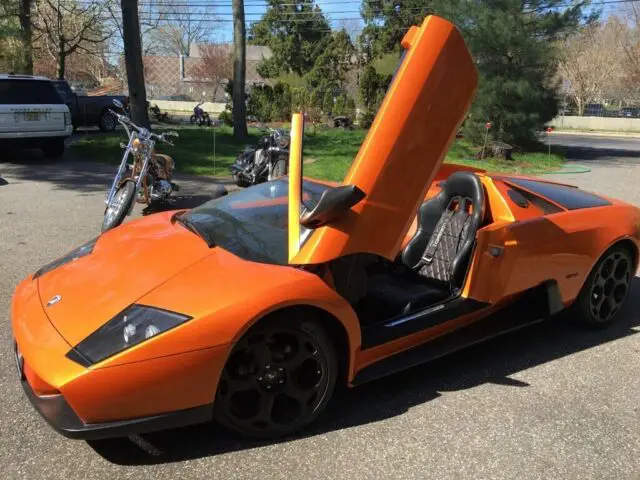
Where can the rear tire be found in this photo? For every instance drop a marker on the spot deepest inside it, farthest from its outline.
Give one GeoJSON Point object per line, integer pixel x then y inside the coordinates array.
{"type": "Point", "coordinates": [120, 205]}
{"type": "Point", "coordinates": [279, 377]}
{"type": "Point", "coordinates": [239, 181]}
{"type": "Point", "coordinates": [279, 169]}
{"type": "Point", "coordinates": [107, 122]}
{"type": "Point", "coordinates": [606, 289]}
{"type": "Point", "coordinates": [54, 148]}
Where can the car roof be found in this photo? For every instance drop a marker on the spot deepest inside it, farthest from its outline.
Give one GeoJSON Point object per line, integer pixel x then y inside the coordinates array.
{"type": "Point", "coordinates": [13, 76]}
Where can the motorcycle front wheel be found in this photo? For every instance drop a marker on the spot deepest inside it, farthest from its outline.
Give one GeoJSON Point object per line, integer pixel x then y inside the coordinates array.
{"type": "Point", "coordinates": [119, 206]}
{"type": "Point", "coordinates": [192, 120]}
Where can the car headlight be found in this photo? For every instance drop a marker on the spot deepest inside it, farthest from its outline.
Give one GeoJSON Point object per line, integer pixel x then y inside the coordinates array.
{"type": "Point", "coordinates": [130, 327]}
{"type": "Point", "coordinates": [75, 254]}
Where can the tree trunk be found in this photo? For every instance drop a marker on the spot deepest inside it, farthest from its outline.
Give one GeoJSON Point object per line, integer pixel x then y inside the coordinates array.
{"type": "Point", "coordinates": [24, 16]}
{"type": "Point", "coordinates": [239, 64]}
{"type": "Point", "coordinates": [133, 62]}
{"type": "Point", "coordinates": [62, 62]}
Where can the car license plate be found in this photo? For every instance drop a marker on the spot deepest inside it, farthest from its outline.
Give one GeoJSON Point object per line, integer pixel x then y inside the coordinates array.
{"type": "Point", "coordinates": [32, 116]}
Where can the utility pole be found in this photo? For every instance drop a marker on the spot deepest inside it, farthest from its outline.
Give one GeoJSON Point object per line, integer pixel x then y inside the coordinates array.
{"type": "Point", "coordinates": [133, 62]}
{"type": "Point", "coordinates": [239, 65]}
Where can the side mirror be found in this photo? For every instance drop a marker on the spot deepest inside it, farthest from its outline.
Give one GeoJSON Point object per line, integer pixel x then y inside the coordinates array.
{"type": "Point", "coordinates": [117, 103]}
{"type": "Point", "coordinates": [333, 203]}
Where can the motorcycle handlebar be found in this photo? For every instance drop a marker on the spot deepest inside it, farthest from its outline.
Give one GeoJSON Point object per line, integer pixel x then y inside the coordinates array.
{"type": "Point", "coordinates": [126, 122]}
{"type": "Point", "coordinates": [163, 137]}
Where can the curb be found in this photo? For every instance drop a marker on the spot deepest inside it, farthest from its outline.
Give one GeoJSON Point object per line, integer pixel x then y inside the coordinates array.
{"type": "Point", "coordinates": [596, 134]}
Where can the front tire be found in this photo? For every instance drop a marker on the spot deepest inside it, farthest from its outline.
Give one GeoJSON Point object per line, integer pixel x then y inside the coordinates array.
{"type": "Point", "coordinates": [279, 377]}
{"type": "Point", "coordinates": [54, 148]}
{"type": "Point", "coordinates": [120, 205]}
{"type": "Point", "coordinates": [192, 119]}
{"type": "Point", "coordinates": [606, 288]}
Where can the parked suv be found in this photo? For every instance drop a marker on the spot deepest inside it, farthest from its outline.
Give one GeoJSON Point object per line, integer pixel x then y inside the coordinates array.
{"type": "Point", "coordinates": [32, 113]}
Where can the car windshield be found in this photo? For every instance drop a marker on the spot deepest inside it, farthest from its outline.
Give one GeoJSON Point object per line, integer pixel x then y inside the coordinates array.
{"type": "Point", "coordinates": [252, 223]}
{"type": "Point", "coordinates": [28, 92]}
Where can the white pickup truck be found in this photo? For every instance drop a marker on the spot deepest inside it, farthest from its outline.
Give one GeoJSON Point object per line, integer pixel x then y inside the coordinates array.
{"type": "Point", "coordinates": [33, 114]}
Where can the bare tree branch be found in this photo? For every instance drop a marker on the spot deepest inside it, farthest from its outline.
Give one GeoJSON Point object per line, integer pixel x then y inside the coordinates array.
{"type": "Point", "coordinates": [69, 27]}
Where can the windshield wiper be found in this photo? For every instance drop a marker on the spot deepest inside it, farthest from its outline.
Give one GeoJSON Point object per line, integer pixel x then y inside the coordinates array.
{"type": "Point", "coordinates": [191, 226]}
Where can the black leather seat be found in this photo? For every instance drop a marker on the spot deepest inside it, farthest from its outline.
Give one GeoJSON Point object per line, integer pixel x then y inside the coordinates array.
{"type": "Point", "coordinates": [435, 261]}
{"type": "Point", "coordinates": [447, 224]}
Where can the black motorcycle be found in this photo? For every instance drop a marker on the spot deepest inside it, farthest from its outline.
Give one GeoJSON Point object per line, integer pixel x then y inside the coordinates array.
{"type": "Point", "coordinates": [266, 161]}
{"type": "Point", "coordinates": [200, 117]}
{"type": "Point", "coordinates": [157, 114]}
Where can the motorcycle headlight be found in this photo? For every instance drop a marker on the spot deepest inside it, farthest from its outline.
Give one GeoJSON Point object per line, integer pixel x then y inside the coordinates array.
{"type": "Point", "coordinates": [130, 327]}
{"type": "Point", "coordinates": [75, 254]}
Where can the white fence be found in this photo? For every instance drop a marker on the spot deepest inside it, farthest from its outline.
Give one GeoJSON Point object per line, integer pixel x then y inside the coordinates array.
{"type": "Point", "coordinates": [175, 106]}
{"type": "Point", "coordinates": [606, 124]}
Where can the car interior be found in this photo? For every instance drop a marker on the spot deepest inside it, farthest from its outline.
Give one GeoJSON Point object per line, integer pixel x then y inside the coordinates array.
{"type": "Point", "coordinates": [431, 268]}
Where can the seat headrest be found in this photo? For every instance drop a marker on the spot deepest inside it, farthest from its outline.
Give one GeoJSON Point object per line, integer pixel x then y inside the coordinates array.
{"type": "Point", "coordinates": [467, 185]}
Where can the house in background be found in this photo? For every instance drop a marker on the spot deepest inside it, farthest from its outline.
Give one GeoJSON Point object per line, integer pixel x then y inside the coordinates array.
{"type": "Point", "coordinates": [180, 77]}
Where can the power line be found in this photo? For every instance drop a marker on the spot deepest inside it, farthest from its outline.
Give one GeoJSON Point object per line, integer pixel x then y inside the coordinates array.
{"type": "Point", "coordinates": [220, 20]}
{"type": "Point", "coordinates": [260, 3]}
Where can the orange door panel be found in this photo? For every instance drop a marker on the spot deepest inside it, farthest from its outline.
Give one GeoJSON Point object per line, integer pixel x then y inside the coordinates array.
{"type": "Point", "coordinates": [412, 132]}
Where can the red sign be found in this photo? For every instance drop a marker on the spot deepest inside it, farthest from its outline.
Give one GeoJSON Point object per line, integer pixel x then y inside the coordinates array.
{"type": "Point", "coordinates": [487, 125]}
{"type": "Point", "coordinates": [549, 129]}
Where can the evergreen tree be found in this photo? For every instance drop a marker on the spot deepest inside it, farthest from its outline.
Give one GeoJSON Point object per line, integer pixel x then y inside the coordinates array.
{"type": "Point", "coordinates": [297, 33]}
{"type": "Point", "coordinates": [513, 43]}
{"type": "Point", "coordinates": [386, 22]}
{"type": "Point", "coordinates": [332, 66]}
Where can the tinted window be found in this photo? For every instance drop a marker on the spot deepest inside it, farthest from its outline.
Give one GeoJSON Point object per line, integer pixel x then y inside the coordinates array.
{"type": "Point", "coordinates": [253, 223]}
{"type": "Point", "coordinates": [64, 90]}
{"type": "Point", "coordinates": [28, 92]}
{"type": "Point", "coordinates": [569, 197]}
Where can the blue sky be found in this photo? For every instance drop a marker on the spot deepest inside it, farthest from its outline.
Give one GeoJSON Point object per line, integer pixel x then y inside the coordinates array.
{"type": "Point", "coordinates": [334, 9]}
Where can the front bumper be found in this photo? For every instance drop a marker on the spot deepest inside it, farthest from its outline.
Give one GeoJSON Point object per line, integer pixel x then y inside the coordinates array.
{"type": "Point", "coordinates": [57, 412]}
{"type": "Point", "coordinates": [66, 132]}
{"type": "Point", "coordinates": [114, 400]}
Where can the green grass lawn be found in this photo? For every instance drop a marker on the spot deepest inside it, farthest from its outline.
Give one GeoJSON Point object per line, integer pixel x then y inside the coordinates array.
{"type": "Point", "coordinates": [327, 153]}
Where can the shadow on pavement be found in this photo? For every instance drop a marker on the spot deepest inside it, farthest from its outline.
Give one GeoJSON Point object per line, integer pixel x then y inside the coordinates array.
{"type": "Point", "coordinates": [606, 156]}
{"type": "Point", "coordinates": [491, 362]}
{"type": "Point", "coordinates": [70, 173]}
{"type": "Point", "coordinates": [180, 202]}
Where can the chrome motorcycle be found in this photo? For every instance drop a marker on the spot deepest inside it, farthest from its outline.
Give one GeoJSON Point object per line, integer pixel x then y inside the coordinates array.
{"type": "Point", "coordinates": [264, 162]}
{"type": "Point", "coordinates": [147, 179]}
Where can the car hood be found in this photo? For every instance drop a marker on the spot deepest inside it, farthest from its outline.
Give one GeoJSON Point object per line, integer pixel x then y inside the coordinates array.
{"type": "Point", "coordinates": [125, 264]}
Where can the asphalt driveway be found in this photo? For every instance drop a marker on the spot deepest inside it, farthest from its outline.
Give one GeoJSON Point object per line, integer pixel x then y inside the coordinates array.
{"type": "Point", "coordinates": [551, 401]}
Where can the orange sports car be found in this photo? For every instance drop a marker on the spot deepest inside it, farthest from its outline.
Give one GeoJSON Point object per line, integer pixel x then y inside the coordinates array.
{"type": "Point", "coordinates": [252, 308]}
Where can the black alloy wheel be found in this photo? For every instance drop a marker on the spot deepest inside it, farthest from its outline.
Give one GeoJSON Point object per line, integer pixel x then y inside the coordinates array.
{"type": "Point", "coordinates": [278, 379]}
{"type": "Point", "coordinates": [607, 287]}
